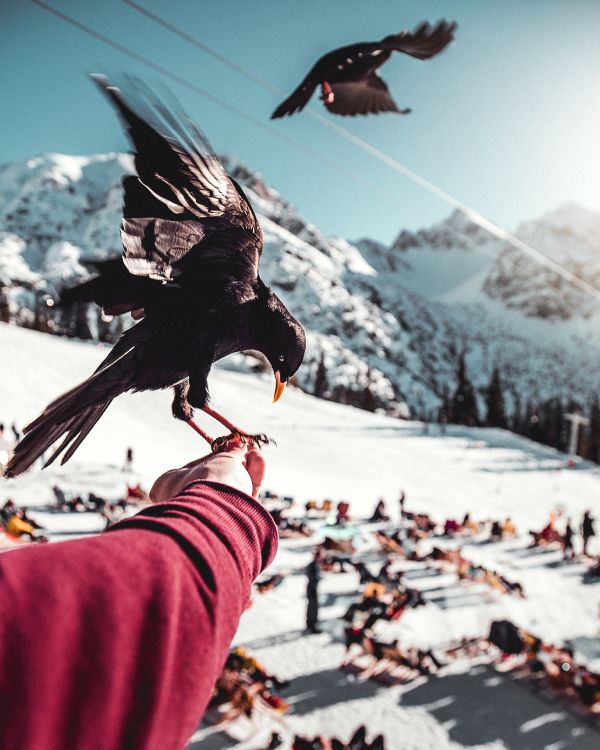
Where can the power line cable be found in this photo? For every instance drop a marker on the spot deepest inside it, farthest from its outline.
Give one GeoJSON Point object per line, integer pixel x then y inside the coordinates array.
{"type": "Point", "coordinates": [472, 214]}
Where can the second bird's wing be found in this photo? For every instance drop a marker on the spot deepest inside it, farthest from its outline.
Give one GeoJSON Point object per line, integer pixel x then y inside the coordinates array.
{"type": "Point", "coordinates": [368, 95]}
{"type": "Point", "coordinates": [181, 185]}
{"type": "Point", "coordinates": [296, 101]}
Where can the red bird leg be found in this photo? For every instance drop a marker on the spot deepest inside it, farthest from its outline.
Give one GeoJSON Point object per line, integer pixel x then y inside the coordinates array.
{"type": "Point", "coordinates": [223, 420]}
{"type": "Point", "coordinates": [200, 431]}
{"type": "Point", "coordinates": [327, 94]}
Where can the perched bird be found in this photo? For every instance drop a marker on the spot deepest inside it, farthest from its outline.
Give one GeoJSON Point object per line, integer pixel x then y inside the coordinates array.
{"type": "Point", "coordinates": [348, 76]}
{"type": "Point", "coordinates": [191, 249]}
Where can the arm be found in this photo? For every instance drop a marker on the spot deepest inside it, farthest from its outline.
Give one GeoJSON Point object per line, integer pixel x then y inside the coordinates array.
{"type": "Point", "coordinates": [116, 640]}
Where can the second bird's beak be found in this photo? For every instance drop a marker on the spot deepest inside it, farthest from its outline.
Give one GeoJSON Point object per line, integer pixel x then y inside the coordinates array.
{"type": "Point", "coordinates": [279, 386]}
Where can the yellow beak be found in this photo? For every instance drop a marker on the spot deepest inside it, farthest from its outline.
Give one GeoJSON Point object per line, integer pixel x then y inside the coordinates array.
{"type": "Point", "coordinates": [279, 386]}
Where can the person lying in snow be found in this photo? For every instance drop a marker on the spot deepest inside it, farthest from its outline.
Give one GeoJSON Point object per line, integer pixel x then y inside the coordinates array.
{"type": "Point", "coordinates": [358, 741]}
{"type": "Point", "coordinates": [548, 535]}
{"type": "Point", "coordinates": [19, 525]}
{"type": "Point", "coordinates": [127, 631]}
{"type": "Point", "coordinates": [243, 685]}
{"type": "Point", "coordinates": [379, 513]}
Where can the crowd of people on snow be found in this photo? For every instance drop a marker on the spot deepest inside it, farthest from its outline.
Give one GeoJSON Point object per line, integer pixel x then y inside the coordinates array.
{"type": "Point", "coordinates": [386, 596]}
{"type": "Point", "coordinates": [546, 664]}
{"type": "Point", "coordinates": [358, 741]}
{"type": "Point", "coordinates": [16, 522]}
{"type": "Point", "coordinates": [110, 510]}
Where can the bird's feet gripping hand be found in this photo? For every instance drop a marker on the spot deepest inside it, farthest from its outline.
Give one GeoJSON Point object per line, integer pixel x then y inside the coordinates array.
{"type": "Point", "coordinates": [235, 464]}
{"type": "Point", "coordinates": [252, 441]}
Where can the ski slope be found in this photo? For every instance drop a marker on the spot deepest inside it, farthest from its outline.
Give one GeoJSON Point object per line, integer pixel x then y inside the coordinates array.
{"type": "Point", "coordinates": [328, 450]}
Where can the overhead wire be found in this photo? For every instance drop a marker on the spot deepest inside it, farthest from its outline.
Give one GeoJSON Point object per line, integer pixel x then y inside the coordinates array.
{"type": "Point", "coordinates": [472, 214]}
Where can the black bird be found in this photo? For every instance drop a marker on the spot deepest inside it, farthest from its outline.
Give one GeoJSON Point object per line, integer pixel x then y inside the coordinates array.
{"type": "Point", "coordinates": [191, 249]}
{"type": "Point", "coordinates": [348, 76]}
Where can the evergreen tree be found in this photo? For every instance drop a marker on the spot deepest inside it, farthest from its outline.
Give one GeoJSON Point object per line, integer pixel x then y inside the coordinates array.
{"type": "Point", "coordinates": [321, 378]}
{"type": "Point", "coordinates": [532, 427]}
{"type": "Point", "coordinates": [496, 416]}
{"type": "Point", "coordinates": [464, 403]}
{"type": "Point", "coordinates": [552, 424]}
{"type": "Point", "coordinates": [445, 407]}
{"type": "Point", "coordinates": [517, 421]}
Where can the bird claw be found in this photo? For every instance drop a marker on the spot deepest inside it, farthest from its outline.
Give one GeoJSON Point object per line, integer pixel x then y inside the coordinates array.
{"type": "Point", "coordinates": [253, 441]}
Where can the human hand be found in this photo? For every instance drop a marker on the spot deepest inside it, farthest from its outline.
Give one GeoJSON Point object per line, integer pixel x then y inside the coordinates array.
{"type": "Point", "coordinates": [235, 465]}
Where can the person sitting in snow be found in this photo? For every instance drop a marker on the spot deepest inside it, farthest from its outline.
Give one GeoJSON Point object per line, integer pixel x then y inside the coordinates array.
{"type": "Point", "coordinates": [587, 530]}
{"type": "Point", "coordinates": [343, 513]}
{"type": "Point", "coordinates": [20, 526]}
{"type": "Point", "coordinates": [379, 513]}
{"type": "Point", "coordinates": [7, 511]}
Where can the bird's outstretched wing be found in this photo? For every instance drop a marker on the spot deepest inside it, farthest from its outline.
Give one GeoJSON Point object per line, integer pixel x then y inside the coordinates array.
{"type": "Point", "coordinates": [297, 100]}
{"type": "Point", "coordinates": [181, 185]}
{"type": "Point", "coordinates": [368, 95]}
{"type": "Point", "coordinates": [424, 42]}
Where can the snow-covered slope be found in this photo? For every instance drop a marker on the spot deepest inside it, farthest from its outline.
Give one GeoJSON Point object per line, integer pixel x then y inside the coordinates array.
{"type": "Point", "coordinates": [329, 450]}
{"type": "Point", "coordinates": [385, 326]}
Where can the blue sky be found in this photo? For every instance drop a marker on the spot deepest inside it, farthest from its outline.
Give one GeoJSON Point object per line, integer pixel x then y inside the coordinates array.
{"type": "Point", "coordinates": [507, 120]}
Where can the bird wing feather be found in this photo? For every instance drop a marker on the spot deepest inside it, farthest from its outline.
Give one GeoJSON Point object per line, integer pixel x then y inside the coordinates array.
{"type": "Point", "coordinates": [181, 184]}
{"type": "Point", "coordinates": [297, 100]}
{"type": "Point", "coordinates": [368, 95]}
{"type": "Point", "coordinates": [424, 42]}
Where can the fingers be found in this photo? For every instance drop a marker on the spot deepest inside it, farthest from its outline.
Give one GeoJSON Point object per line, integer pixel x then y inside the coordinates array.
{"type": "Point", "coordinates": [255, 466]}
{"type": "Point", "coordinates": [233, 444]}
{"type": "Point", "coordinates": [138, 313]}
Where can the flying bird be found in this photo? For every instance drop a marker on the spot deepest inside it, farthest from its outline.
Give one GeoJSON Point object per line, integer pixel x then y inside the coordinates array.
{"type": "Point", "coordinates": [190, 271]}
{"type": "Point", "coordinates": [350, 84]}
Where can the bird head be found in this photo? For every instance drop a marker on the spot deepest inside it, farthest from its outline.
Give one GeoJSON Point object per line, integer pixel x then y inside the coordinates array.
{"type": "Point", "coordinates": [283, 342]}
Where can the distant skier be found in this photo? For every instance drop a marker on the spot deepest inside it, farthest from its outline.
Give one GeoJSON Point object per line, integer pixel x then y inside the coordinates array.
{"type": "Point", "coordinates": [567, 542]}
{"type": "Point", "coordinates": [587, 530]}
{"type": "Point", "coordinates": [313, 574]}
{"type": "Point", "coordinates": [128, 465]}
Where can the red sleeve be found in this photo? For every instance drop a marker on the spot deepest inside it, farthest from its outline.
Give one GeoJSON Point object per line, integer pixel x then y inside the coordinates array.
{"type": "Point", "coordinates": [116, 641]}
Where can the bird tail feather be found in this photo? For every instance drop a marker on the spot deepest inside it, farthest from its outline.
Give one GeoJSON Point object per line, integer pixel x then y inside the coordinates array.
{"type": "Point", "coordinates": [75, 413]}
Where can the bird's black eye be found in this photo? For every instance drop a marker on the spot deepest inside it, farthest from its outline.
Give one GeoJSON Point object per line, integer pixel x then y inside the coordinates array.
{"type": "Point", "coordinates": [281, 358]}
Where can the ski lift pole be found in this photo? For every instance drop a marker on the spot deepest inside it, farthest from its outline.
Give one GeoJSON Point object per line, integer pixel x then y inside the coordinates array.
{"type": "Point", "coordinates": [576, 420]}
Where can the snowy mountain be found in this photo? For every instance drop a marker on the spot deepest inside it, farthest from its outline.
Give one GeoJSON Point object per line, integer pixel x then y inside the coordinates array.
{"type": "Point", "coordinates": [386, 325]}
{"type": "Point", "coordinates": [569, 235]}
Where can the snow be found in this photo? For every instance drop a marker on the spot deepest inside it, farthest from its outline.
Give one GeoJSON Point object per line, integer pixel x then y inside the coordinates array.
{"type": "Point", "coordinates": [329, 450]}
